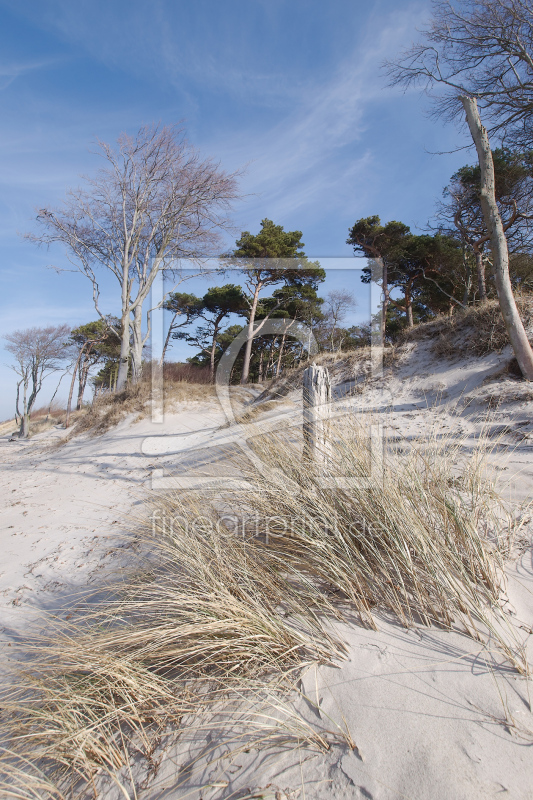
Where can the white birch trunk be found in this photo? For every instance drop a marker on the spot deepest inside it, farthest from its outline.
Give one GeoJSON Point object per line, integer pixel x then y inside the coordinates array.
{"type": "Point", "coordinates": [480, 269]}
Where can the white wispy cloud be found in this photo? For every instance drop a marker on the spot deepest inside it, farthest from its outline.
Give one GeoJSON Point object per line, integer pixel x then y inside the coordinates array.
{"type": "Point", "coordinates": [316, 156]}
{"type": "Point", "coordinates": [9, 72]}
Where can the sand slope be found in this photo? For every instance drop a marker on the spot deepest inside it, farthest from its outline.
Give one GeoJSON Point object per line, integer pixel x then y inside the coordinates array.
{"type": "Point", "coordinates": [432, 713]}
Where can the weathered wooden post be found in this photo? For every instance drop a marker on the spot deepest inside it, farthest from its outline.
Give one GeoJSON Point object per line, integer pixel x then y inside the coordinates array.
{"type": "Point", "coordinates": [316, 412]}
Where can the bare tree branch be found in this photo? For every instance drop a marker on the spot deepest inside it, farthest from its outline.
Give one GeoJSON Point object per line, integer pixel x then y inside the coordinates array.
{"type": "Point", "coordinates": [154, 202]}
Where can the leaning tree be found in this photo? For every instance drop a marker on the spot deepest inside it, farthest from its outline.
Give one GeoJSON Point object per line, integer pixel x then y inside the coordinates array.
{"type": "Point", "coordinates": [155, 201]}
{"type": "Point", "coordinates": [477, 55]}
{"type": "Point", "coordinates": [91, 344]}
{"type": "Point", "coordinates": [184, 307]}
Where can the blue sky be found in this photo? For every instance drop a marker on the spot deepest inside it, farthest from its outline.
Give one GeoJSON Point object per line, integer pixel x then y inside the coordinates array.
{"type": "Point", "coordinates": [290, 90]}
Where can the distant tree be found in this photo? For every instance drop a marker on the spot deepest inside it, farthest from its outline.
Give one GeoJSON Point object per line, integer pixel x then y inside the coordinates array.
{"type": "Point", "coordinates": [430, 273]}
{"type": "Point", "coordinates": [224, 339]}
{"type": "Point", "coordinates": [521, 267]}
{"type": "Point", "coordinates": [38, 352]}
{"type": "Point", "coordinates": [216, 306]}
{"type": "Point", "coordinates": [154, 202]}
{"type": "Point", "coordinates": [271, 257]}
{"type": "Point", "coordinates": [297, 303]}
{"type": "Point", "coordinates": [90, 344]}
{"type": "Point", "coordinates": [185, 308]}
{"type": "Point", "coordinates": [269, 346]}
{"type": "Point", "coordinates": [337, 304]}
{"type": "Point", "coordinates": [427, 269]}
{"type": "Point", "coordinates": [358, 336]}
{"type": "Point", "coordinates": [384, 242]}
{"type": "Point", "coordinates": [106, 377]}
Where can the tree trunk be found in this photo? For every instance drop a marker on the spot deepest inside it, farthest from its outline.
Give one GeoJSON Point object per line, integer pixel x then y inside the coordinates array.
{"type": "Point", "coordinates": [261, 366]}
{"type": "Point", "coordinates": [498, 242]}
{"type": "Point", "coordinates": [249, 340]}
{"type": "Point", "coordinates": [385, 288]}
{"type": "Point", "coordinates": [25, 426]}
{"type": "Point", "coordinates": [167, 340]}
{"type": "Point", "coordinates": [82, 383]}
{"type": "Point", "coordinates": [270, 363]}
{"type": "Point", "coordinates": [18, 415]}
{"type": "Point", "coordinates": [281, 349]}
{"type": "Point", "coordinates": [408, 307]}
{"type": "Point", "coordinates": [331, 339]}
{"type": "Point", "coordinates": [480, 269]}
{"type": "Point", "coordinates": [137, 348]}
{"type": "Point", "coordinates": [468, 283]}
{"type": "Point", "coordinates": [212, 356]}
{"type": "Point", "coordinates": [24, 431]}
{"type": "Point", "coordinates": [124, 359]}
{"type": "Point", "coordinates": [71, 391]}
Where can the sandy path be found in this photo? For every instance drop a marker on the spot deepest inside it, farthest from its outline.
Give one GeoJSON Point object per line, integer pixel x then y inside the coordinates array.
{"type": "Point", "coordinates": [64, 508]}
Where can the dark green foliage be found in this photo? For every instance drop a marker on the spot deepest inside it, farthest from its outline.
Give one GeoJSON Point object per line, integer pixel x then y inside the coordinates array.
{"type": "Point", "coordinates": [428, 270]}
{"type": "Point", "coordinates": [96, 342]}
{"type": "Point", "coordinates": [268, 258]}
{"type": "Point", "coordinates": [374, 240]}
{"type": "Point", "coordinates": [215, 306]}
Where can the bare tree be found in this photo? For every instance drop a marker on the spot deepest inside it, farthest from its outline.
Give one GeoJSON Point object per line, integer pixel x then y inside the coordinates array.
{"type": "Point", "coordinates": [155, 201]}
{"type": "Point", "coordinates": [500, 253]}
{"type": "Point", "coordinates": [480, 53]}
{"type": "Point", "coordinates": [338, 303]}
{"type": "Point", "coordinates": [465, 216]}
{"type": "Point", "coordinates": [38, 352]}
{"type": "Point", "coordinates": [482, 49]}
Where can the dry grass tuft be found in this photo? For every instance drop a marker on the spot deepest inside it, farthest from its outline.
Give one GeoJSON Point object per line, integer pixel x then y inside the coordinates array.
{"type": "Point", "coordinates": [342, 365]}
{"type": "Point", "coordinates": [229, 599]}
{"type": "Point", "coordinates": [110, 408]}
{"type": "Point", "coordinates": [422, 535]}
{"type": "Point", "coordinates": [206, 616]}
{"type": "Point", "coordinates": [41, 419]}
{"type": "Point", "coordinates": [476, 332]}
{"type": "Point", "coordinates": [186, 373]}
{"type": "Point", "coordinates": [252, 412]}
{"type": "Point", "coordinates": [8, 427]}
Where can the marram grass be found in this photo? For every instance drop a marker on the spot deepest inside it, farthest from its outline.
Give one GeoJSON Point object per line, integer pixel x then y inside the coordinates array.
{"type": "Point", "coordinates": [209, 618]}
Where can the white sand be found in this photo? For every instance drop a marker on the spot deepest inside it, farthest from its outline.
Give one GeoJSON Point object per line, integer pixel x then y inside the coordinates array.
{"type": "Point", "coordinates": [433, 714]}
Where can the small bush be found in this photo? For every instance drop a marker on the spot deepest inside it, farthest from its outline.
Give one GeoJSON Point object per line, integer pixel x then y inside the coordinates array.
{"type": "Point", "coordinates": [188, 373]}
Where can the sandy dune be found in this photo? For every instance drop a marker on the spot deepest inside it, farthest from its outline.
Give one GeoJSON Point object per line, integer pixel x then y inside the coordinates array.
{"type": "Point", "coordinates": [432, 713]}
